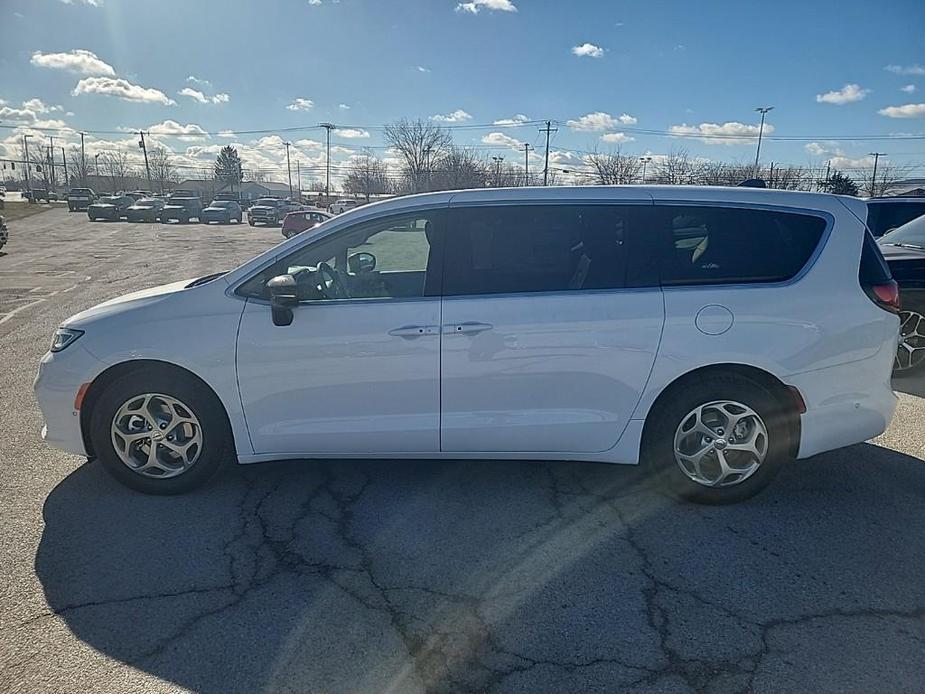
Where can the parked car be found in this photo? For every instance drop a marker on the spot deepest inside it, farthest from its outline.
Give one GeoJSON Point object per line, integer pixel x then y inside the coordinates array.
{"type": "Point", "coordinates": [4, 232]}
{"type": "Point", "coordinates": [139, 194]}
{"type": "Point", "coordinates": [297, 222]}
{"type": "Point", "coordinates": [884, 214]}
{"type": "Point", "coordinates": [269, 211]}
{"type": "Point", "coordinates": [904, 250]}
{"type": "Point", "coordinates": [230, 197]}
{"type": "Point", "coordinates": [79, 199]}
{"type": "Point", "coordinates": [109, 207]}
{"type": "Point", "coordinates": [224, 211]}
{"type": "Point", "coordinates": [657, 324]}
{"type": "Point", "coordinates": [38, 194]}
{"type": "Point", "coordinates": [181, 208]}
{"type": "Point", "coordinates": [342, 205]}
{"type": "Point", "coordinates": [145, 210]}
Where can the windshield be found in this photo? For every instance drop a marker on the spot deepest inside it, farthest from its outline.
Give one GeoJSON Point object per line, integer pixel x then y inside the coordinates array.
{"type": "Point", "coordinates": [146, 202]}
{"type": "Point", "coordinates": [110, 199]}
{"type": "Point", "coordinates": [268, 202]}
{"type": "Point", "coordinates": [79, 191]}
{"type": "Point", "coordinates": [909, 234]}
{"type": "Point", "coordinates": [221, 203]}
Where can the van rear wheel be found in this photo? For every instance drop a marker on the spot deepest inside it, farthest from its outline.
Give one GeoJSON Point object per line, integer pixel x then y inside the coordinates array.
{"type": "Point", "coordinates": [717, 440]}
{"type": "Point", "coordinates": [160, 433]}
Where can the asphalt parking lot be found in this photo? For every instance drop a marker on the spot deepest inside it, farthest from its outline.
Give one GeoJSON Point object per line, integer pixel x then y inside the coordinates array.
{"type": "Point", "coordinates": [409, 576]}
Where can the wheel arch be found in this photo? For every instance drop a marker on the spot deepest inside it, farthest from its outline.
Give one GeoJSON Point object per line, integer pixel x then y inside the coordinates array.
{"type": "Point", "coordinates": [102, 381]}
{"type": "Point", "coordinates": [788, 397]}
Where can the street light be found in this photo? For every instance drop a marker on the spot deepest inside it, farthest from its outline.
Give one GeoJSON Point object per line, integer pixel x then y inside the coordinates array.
{"type": "Point", "coordinates": [96, 166]}
{"type": "Point", "coordinates": [763, 110]}
{"type": "Point", "coordinates": [645, 162]}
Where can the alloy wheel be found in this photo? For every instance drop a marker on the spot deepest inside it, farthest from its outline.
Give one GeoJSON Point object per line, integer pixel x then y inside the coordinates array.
{"type": "Point", "coordinates": [156, 435]}
{"type": "Point", "coordinates": [911, 349]}
{"type": "Point", "coordinates": [720, 443]}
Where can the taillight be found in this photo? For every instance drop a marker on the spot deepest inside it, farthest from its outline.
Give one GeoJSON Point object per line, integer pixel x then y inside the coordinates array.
{"type": "Point", "coordinates": [886, 295]}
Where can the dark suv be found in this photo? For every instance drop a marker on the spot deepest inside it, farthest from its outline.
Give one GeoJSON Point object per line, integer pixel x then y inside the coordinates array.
{"type": "Point", "coordinates": [79, 199]}
{"type": "Point", "coordinates": [183, 209]}
{"type": "Point", "coordinates": [884, 214]}
{"type": "Point", "coordinates": [110, 207]}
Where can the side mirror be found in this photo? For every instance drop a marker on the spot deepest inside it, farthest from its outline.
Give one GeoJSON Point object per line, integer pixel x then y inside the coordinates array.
{"type": "Point", "coordinates": [283, 297]}
{"type": "Point", "coordinates": [361, 263]}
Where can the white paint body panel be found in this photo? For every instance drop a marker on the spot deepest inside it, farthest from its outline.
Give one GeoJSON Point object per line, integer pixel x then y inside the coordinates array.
{"type": "Point", "coordinates": [336, 380]}
{"type": "Point", "coordinates": [568, 377]}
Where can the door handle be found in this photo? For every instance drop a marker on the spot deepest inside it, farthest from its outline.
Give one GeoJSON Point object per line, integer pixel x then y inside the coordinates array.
{"type": "Point", "coordinates": [469, 328]}
{"type": "Point", "coordinates": [410, 331]}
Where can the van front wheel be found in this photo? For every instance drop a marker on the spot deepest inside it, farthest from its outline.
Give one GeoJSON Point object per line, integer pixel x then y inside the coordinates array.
{"type": "Point", "coordinates": [717, 440]}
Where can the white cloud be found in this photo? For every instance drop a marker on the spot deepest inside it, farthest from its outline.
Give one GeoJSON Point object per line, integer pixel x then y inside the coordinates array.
{"type": "Point", "coordinates": [17, 114]}
{"type": "Point", "coordinates": [343, 107]}
{"type": "Point", "coordinates": [729, 133]}
{"type": "Point", "coordinates": [227, 133]}
{"type": "Point", "coordinates": [352, 133]}
{"type": "Point", "coordinates": [846, 95]}
{"type": "Point", "coordinates": [627, 119]}
{"type": "Point", "coordinates": [908, 88]}
{"type": "Point", "coordinates": [904, 111]}
{"type": "Point", "coordinates": [596, 121]}
{"type": "Point", "coordinates": [475, 6]}
{"type": "Point", "coordinates": [185, 133]}
{"type": "Point", "coordinates": [203, 98]}
{"type": "Point", "coordinates": [81, 61]}
{"type": "Point", "coordinates": [192, 79]}
{"type": "Point", "coordinates": [588, 50]}
{"type": "Point", "coordinates": [91, 3]}
{"type": "Point", "coordinates": [122, 89]}
{"type": "Point", "coordinates": [421, 68]}
{"type": "Point", "coordinates": [616, 138]}
{"type": "Point", "coordinates": [906, 69]}
{"type": "Point", "coordinates": [564, 158]}
{"type": "Point", "coordinates": [308, 144]}
{"type": "Point", "coordinates": [39, 106]}
{"type": "Point", "coordinates": [822, 149]}
{"type": "Point", "coordinates": [502, 140]}
{"type": "Point", "coordinates": [456, 116]}
{"type": "Point", "coordinates": [518, 119]}
{"type": "Point", "coordinates": [314, 2]}
{"type": "Point", "coordinates": [301, 104]}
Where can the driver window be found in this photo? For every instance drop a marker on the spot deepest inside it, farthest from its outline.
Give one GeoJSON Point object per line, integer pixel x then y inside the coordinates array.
{"type": "Point", "coordinates": [383, 259]}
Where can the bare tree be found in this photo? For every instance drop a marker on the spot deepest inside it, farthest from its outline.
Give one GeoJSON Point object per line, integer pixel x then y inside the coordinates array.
{"type": "Point", "coordinates": [163, 174]}
{"type": "Point", "coordinates": [419, 144]}
{"type": "Point", "coordinates": [790, 178]}
{"type": "Point", "coordinates": [612, 168]}
{"type": "Point", "coordinates": [76, 169]}
{"type": "Point", "coordinates": [676, 168]}
{"type": "Point", "coordinates": [367, 175]}
{"type": "Point", "coordinates": [888, 175]}
{"type": "Point", "coordinates": [457, 168]}
{"type": "Point", "coordinates": [117, 169]}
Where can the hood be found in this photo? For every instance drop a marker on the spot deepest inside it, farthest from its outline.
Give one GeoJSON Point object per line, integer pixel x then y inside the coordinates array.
{"type": "Point", "coordinates": [141, 207]}
{"type": "Point", "coordinates": [127, 302]}
{"type": "Point", "coordinates": [103, 204]}
{"type": "Point", "coordinates": [264, 207]}
{"type": "Point", "coordinates": [215, 209]}
{"type": "Point", "coordinates": [899, 253]}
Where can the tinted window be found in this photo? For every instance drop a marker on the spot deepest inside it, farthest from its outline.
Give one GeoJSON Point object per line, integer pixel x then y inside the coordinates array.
{"type": "Point", "coordinates": [885, 216]}
{"type": "Point", "coordinates": [716, 245]}
{"type": "Point", "coordinates": [536, 248]}
{"type": "Point", "coordinates": [911, 234]}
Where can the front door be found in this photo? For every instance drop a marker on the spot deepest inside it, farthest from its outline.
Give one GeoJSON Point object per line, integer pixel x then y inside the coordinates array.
{"type": "Point", "coordinates": [545, 347]}
{"type": "Point", "coordinates": [357, 371]}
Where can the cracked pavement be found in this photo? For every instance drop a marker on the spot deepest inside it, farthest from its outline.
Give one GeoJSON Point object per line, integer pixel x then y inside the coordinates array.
{"type": "Point", "coordinates": [412, 576]}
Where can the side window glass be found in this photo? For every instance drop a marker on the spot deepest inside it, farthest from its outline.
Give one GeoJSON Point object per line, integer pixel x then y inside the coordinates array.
{"type": "Point", "coordinates": [715, 245]}
{"type": "Point", "coordinates": [391, 258]}
{"type": "Point", "coordinates": [536, 248]}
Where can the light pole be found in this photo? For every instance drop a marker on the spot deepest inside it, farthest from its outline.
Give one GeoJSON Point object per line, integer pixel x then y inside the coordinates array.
{"type": "Point", "coordinates": [645, 162]}
{"type": "Point", "coordinates": [288, 168]}
{"type": "Point", "coordinates": [527, 147]}
{"type": "Point", "coordinates": [96, 167]}
{"type": "Point", "coordinates": [763, 110]}
{"type": "Point", "coordinates": [498, 161]}
{"type": "Point", "coordinates": [25, 151]}
{"type": "Point", "coordinates": [327, 160]}
{"type": "Point", "coordinates": [83, 162]}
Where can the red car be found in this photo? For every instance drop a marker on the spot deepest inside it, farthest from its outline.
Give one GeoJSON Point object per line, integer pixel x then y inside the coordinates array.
{"type": "Point", "coordinates": [297, 222]}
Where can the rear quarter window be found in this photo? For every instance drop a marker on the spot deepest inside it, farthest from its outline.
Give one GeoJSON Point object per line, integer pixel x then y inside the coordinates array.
{"type": "Point", "coordinates": [727, 245]}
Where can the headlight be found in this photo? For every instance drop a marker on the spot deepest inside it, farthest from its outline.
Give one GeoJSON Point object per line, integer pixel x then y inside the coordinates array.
{"type": "Point", "coordinates": [63, 338]}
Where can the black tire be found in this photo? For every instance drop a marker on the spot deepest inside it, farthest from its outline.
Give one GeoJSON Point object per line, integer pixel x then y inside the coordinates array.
{"type": "Point", "coordinates": [658, 451]}
{"type": "Point", "coordinates": [251, 223]}
{"type": "Point", "coordinates": [217, 444]}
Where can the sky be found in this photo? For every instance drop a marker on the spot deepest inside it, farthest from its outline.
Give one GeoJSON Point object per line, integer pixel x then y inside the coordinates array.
{"type": "Point", "coordinates": [845, 78]}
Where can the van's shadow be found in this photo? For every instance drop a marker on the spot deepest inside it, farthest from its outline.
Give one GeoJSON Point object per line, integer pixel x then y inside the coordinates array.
{"type": "Point", "coordinates": [363, 575]}
{"type": "Point", "coordinates": [911, 385]}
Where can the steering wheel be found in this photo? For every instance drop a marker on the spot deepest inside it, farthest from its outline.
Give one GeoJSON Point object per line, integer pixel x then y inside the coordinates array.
{"type": "Point", "coordinates": [330, 284]}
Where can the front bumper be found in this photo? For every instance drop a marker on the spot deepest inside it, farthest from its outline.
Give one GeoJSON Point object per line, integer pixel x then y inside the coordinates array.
{"type": "Point", "coordinates": [206, 218]}
{"type": "Point", "coordinates": [104, 213]}
{"type": "Point", "coordinates": [141, 215]}
{"type": "Point", "coordinates": [59, 378]}
{"type": "Point", "coordinates": [175, 214]}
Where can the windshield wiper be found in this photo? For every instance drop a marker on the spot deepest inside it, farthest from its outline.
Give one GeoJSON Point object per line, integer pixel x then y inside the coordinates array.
{"type": "Point", "coordinates": [905, 245]}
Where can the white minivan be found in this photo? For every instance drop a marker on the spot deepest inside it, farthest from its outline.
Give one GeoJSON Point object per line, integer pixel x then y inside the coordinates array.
{"type": "Point", "coordinates": [711, 334]}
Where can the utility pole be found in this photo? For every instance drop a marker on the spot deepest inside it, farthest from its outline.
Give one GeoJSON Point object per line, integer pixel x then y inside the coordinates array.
{"type": "Point", "coordinates": [873, 178]}
{"type": "Point", "coordinates": [25, 149]}
{"type": "Point", "coordinates": [771, 176]}
{"type": "Point", "coordinates": [96, 166]}
{"type": "Point", "coordinates": [327, 161]}
{"type": "Point", "coordinates": [147, 168]}
{"type": "Point", "coordinates": [763, 110]}
{"type": "Point", "coordinates": [51, 161]}
{"type": "Point", "coordinates": [83, 162]}
{"type": "Point", "coordinates": [498, 161]}
{"type": "Point", "coordinates": [548, 129]}
{"type": "Point", "coordinates": [298, 171]}
{"type": "Point", "coordinates": [67, 182]}
{"type": "Point", "coordinates": [645, 161]}
{"type": "Point", "coordinates": [527, 148]}
{"type": "Point", "coordinates": [288, 168]}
